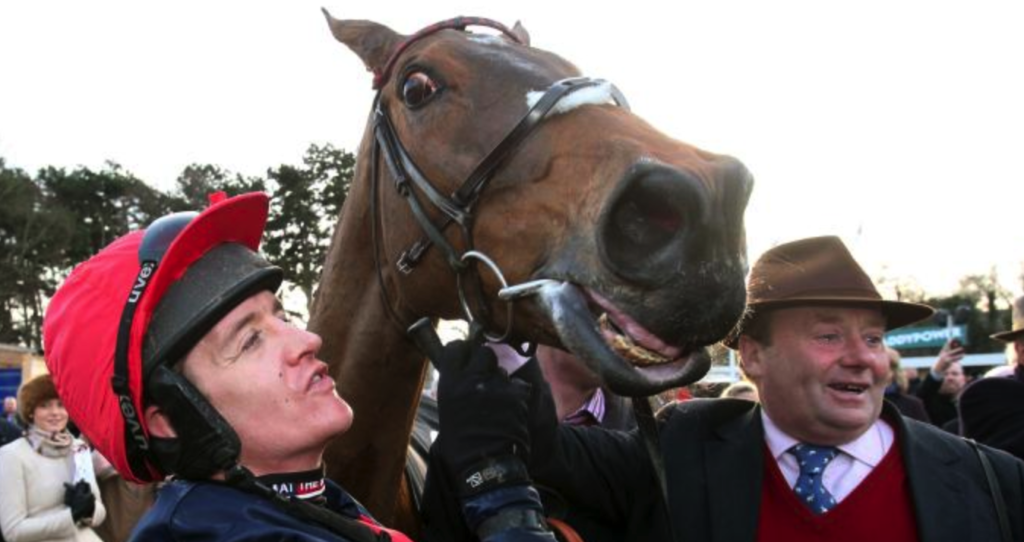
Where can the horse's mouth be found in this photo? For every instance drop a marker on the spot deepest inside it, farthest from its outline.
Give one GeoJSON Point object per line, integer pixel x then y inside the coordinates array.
{"type": "Point", "coordinates": [628, 358]}
{"type": "Point", "coordinates": [629, 338]}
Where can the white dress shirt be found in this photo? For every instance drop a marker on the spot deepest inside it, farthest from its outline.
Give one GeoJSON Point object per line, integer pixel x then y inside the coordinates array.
{"type": "Point", "coordinates": [849, 468]}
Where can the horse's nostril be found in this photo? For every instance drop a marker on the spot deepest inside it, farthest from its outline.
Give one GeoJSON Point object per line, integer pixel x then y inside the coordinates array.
{"type": "Point", "coordinates": [646, 221]}
{"type": "Point", "coordinates": [643, 219]}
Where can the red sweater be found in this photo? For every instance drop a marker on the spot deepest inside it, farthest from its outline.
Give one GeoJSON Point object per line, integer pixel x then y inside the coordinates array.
{"type": "Point", "coordinates": [879, 509]}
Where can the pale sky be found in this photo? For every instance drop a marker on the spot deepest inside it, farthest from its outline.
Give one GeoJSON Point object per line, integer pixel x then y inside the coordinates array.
{"type": "Point", "coordinates": [898, 125]}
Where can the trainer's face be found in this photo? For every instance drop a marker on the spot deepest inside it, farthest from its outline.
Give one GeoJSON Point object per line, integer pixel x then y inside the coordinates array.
{"type": "Point", "coordinates": [263, 375]}
{"type": "Point", "coordinates": [823, 376]}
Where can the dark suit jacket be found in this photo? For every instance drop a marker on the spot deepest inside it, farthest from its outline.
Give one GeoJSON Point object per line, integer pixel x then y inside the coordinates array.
{"type": "Point", "coordinates": [909, 405]}
{"type": "Point", "coordinates": [8, 432]}
{"type": "Point", "coordinates": [618, 412]}
{"type": "Point", "coordinates": [941, 408]}
{"type": "Point", "coordinates": [713, 452]}
{"type": "Point", "coordinates": [992, 412]}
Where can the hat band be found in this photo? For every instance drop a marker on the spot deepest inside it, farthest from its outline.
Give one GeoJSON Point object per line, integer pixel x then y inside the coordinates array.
{"type": "Point", "coordinates": [838, 295]}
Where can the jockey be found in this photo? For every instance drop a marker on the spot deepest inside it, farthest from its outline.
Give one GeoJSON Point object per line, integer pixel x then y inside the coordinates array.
{"type": "Point", "coordinates": [174, 357]}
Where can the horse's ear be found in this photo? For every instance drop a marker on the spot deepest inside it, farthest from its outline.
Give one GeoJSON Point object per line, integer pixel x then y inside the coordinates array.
{"type": "Point", "coordinates": [521, 34]}
{"type": "Point", "coordinates": [371, 41]}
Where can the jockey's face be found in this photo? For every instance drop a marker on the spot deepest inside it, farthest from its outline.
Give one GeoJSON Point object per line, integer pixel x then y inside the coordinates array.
{"type": "Point", "coordinates": [263, 375]}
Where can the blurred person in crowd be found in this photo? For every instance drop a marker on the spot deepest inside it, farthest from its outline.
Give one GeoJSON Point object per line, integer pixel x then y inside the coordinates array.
{"type": "Point", "coordinates": [579, 397]}
{"type": "Point", "coordinates": [1010, 349]}
{"type": "Point", "coordinates": [940, 388]}
{"type": "Point", "coordinates": [1000, 370]}
{"type": "Point", "coordinates": [576, 390]}
{"type": "Point", "coordinates": [821, 457]}
{"type": "Point", "coordinates": [913, 378]}
{"type": "Point", "coordinates": [670, 396]}
{"type": "Point", "coordinates": [48, 491]}
{"type": "Point", "coordinates": [896, 392]}
{"type": "Point", "coordinates": [740, 390]}
{"type": "Point", "coordinates": [11, 410]}
{"type": "Point", "coordinates": [992, 409]}
{"type": "Point", "coordinates": [8, 432]}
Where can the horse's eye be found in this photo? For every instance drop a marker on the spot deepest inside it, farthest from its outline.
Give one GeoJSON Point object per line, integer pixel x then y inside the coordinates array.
{"type": "Point", "coordinates": [418, 89]}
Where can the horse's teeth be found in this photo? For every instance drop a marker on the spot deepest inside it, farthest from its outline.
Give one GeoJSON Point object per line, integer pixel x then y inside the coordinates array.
{"type": "Point", "coordinates": [625, 346]}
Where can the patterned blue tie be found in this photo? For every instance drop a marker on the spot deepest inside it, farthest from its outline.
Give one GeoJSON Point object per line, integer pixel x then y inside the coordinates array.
{"type": "Point", "coordinates": [808, 488]}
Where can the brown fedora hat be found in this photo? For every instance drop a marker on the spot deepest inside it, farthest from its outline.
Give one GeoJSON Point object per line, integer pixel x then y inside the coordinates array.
{"type": "Point", "coordinates": [817, 271]}
{"type": "Point", "coordinates": [1017, 331]}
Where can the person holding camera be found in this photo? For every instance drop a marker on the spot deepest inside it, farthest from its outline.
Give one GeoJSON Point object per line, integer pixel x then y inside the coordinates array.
{"type": "Point", "coordinates": [48, 491]}
{"type": "Point", "coordinates": [940, 389]}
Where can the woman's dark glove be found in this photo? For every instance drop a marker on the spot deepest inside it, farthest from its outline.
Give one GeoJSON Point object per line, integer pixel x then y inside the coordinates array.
{"type": "Point", "coordinates": [80, 500]}
{"type": "Point", "coordinates": [483, 414]}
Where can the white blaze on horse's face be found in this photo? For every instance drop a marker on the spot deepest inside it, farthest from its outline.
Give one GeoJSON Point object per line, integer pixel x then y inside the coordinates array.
{"type": "Point", "coordinates": [488, 39]}
{"type": "Point", "coordinates": [597, 95]}
{"type": "Point", "coordinates": [504, 53]}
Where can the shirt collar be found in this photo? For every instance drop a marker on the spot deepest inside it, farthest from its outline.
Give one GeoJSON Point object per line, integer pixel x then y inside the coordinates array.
{"type": "Point", "coordinates": [305, 485]}
{"type": "Point", "coordinates": [869, 448]}
{"type": "Point", "coordinates": [591, 411]}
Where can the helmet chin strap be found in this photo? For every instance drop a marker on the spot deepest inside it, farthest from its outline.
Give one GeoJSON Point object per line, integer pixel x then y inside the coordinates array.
{"type": "Point", "coordinates": [206, 444]}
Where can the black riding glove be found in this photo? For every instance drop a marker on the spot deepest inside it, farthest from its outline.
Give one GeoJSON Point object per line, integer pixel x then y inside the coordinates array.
{"type": "Point", "coordinates": [483, 413]}
{"type": "Point", "coordinates": [80, 499]}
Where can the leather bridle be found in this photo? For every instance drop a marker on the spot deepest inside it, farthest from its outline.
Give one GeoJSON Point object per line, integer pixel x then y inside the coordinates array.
{"type": "Point", "coordinates": [457, 208]}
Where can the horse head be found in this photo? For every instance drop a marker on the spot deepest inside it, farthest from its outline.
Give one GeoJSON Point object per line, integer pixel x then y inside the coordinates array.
{"type": "Point", "coordinates": [621, 244]}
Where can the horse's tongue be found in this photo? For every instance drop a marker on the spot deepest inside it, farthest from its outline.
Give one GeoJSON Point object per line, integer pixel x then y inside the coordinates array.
{"type": "Point", "coordinates": [640, 335]}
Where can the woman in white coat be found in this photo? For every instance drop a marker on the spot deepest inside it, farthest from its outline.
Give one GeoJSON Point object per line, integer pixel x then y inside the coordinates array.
{"type": "Point", "coordinates": [48, 489]}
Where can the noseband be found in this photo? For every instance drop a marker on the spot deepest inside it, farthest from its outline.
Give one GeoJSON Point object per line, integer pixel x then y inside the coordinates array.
{"type": "Point", "coordinates": [458, 207]}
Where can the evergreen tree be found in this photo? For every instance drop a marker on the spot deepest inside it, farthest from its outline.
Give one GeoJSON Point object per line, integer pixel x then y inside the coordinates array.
{"type": "Point", "coordinates": [304, 207]}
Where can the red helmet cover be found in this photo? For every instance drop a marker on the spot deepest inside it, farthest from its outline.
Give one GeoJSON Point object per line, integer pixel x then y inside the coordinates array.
{"type": "Point", "coordinates": [81, 323]}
